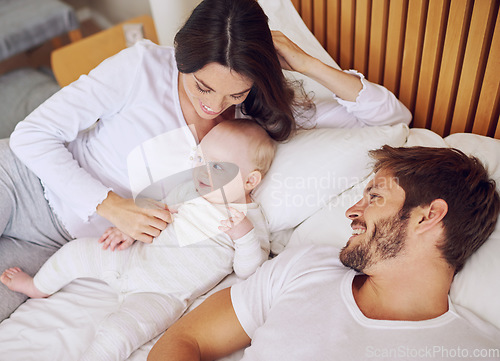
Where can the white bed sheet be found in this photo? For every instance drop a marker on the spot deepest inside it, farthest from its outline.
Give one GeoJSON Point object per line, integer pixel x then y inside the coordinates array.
{"type": "Point", "coordinates": [60, 327]}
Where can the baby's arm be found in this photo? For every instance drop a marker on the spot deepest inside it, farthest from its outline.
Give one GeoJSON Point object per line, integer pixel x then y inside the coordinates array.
{"type": "Point", "coordinates": [237, 226]}
{"type": "Point", "coordinates": [248, 254]}
{"type": "Point", "coordinates": [115, 239]}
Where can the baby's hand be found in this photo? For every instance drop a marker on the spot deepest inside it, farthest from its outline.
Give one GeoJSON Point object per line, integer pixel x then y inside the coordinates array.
{"type": "Point", "coordinates": [237, 225]}
{"type": "Point", "coordinates": [113, 238]}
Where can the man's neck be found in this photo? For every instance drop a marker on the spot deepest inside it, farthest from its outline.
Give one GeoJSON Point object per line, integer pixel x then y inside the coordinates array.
{"type": "Point", "coordinates": [398, 296]}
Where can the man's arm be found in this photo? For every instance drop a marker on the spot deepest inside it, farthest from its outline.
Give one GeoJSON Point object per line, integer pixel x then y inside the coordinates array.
{"type": "Point", "coordinates": [210, 331]}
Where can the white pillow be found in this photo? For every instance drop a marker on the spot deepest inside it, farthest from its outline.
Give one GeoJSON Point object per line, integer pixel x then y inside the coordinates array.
{"type": "Point", "coordinates": [476, 287]}
{"type": "Point", "coordinates": [329, 225]}
{"type": "Point", "coordinates": [485, 149]}
{"type": "Point", "coordinates": [424, 137]}
{"type": "Point", "coordinates": [317, 165]}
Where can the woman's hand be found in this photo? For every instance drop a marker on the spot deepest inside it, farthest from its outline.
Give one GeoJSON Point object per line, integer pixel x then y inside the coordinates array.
{"type": "Point", "coordinates": [291, 56]}
{"type": "Point", "coordinates": [142, 222]}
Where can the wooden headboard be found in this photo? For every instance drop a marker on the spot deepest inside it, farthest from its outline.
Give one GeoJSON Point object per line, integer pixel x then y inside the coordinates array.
{"type": "Point", "coordinates": [440, 57]}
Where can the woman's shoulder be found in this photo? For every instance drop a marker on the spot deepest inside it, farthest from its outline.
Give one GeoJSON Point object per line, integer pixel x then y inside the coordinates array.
{"type": "Point", "coordinates": [143, 54]}
{"type": "Point", "coordinates": [142, 59]}
{"type": "Point", "coordinates": [147, 49]}
{"type": "Point", "coordinates": [148, 45]}
{"type": "Point", "coordinates": [136, 62]}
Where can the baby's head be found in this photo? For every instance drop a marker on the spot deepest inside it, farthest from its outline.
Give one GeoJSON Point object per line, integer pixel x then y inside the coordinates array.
{"type": "Point", "coordinates": [235, 155]}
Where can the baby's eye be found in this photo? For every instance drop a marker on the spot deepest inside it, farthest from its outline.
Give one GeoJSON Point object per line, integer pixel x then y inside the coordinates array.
{"type": "Point", "coordinates": [216, 166]}
{"type": "Point", "coordinates": [373, 196]}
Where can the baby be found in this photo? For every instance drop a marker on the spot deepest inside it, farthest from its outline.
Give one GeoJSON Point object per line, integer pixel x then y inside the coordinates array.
{"type": "Point", "coordinates": [156, 282]}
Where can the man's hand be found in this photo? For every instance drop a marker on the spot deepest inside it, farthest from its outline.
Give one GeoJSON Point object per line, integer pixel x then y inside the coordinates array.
{"type": "Point", "coordinates": [113, 239]}
{"type": "Point", "coordinates": [141, 221]}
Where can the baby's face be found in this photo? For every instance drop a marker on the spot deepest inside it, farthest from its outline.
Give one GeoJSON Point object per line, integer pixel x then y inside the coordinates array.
{"type": "Point", "coordinates": [222, 163]}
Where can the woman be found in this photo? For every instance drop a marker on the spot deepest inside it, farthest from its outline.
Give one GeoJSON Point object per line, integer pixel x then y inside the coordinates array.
{"type": "Point", "coordinates": [224, 64]}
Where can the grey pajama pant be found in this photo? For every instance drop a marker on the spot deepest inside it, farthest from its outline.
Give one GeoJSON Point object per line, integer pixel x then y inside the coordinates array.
{"type": "Point", "coordinates": [30, 232]}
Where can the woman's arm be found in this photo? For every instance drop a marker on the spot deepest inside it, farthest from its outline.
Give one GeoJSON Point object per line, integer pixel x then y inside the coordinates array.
{"type": "Point", "coordinates": [41, 140]}
{"type": "Point", "coordinates": [362, 102]}
{"type": "Point", "coordinates": [209, 332]}
{"type": "Point", "coordinates": [344, 85]}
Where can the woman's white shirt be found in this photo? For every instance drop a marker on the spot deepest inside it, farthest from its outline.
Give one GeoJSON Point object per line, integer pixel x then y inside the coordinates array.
{"type": "Point", "coordinates": [134, 95]}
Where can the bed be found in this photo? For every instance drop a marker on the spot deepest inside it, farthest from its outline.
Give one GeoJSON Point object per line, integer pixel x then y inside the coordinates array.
{"type": "Point", "coordinates": [304, 198]}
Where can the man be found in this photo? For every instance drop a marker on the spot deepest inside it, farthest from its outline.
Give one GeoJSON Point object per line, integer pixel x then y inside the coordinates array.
{"type": "Point", "coordinates": [423, 214]}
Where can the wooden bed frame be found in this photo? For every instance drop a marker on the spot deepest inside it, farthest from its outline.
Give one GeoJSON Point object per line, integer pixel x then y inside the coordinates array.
{"type": "Point", "coordinates": [440, 57]}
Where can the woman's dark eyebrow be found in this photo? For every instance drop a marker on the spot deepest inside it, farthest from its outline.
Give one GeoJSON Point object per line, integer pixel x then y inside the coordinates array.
{"type": "Point", "coordinates": [206, 86]}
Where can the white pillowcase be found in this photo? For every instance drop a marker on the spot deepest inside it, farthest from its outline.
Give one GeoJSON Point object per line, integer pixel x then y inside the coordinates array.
{"type": "Point", "coordinates": [329, 225]}
{"type": "Point", "coordinates": [317, 165]}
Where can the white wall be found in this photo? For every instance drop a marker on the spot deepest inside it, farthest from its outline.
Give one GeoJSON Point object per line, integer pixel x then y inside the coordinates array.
{"type": "Point", "coordinates": [169, 16]}
{"type": "Point", "coordinates": [107, 13]}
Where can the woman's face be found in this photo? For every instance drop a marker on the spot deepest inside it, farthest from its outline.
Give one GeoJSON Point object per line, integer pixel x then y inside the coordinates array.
{"type": "Point", "coordinates": [214, 88]}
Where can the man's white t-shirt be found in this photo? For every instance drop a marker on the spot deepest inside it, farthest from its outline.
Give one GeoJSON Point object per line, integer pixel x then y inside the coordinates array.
{"type": "Point", "coordinates": [300, 306]}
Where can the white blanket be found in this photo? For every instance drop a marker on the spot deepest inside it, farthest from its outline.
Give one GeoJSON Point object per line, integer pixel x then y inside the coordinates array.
{"type": "Point", "coordinates": [59, 328]}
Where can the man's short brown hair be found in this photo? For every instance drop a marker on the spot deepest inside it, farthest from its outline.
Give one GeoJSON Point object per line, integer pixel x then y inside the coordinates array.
{"type": "Point", "coordinates": [426, 174]}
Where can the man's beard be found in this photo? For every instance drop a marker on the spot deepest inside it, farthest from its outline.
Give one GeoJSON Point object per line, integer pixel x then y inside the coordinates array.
{"type": "Point", "coordinates": [386, 241]}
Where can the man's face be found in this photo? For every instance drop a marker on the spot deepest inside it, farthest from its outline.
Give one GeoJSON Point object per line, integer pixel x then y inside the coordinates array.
{"type": "Point", "coordinates": [379, 228]}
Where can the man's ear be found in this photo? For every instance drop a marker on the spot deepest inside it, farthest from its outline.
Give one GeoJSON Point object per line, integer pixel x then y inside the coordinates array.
{"type": "Point", "coordinates": [431, 215]}
{"type": "Point", "coordinates": [253, 180]}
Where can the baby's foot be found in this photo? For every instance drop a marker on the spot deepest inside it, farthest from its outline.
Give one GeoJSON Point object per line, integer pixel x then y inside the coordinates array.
{"type": "Point", "coordinates": [17, 280]}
